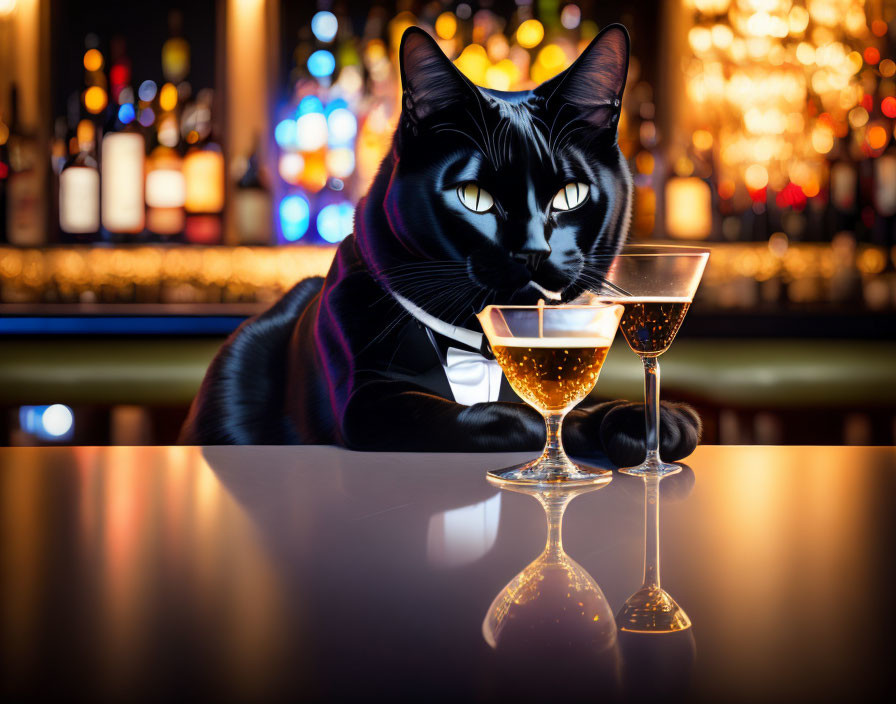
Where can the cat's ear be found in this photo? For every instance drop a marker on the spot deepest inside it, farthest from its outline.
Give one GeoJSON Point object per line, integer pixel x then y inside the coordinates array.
{"type": "Point", "coordinates": [429, 80]}
{"type": "Point", "coordinates": [593, 85]}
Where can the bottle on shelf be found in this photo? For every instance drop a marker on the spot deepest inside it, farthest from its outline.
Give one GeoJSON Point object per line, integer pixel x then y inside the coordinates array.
{"type": "Point", "coordinates": [252, 204]}
{"type": "Point", "coordinates": [122, 160]}
{"type": "Point", "coordinates": [79, 188]}
{"type": "Point", "coordinates": [24, 225]}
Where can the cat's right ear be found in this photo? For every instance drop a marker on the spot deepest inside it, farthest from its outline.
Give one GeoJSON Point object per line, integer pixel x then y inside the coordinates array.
{"type": "Point", "coordinates": [429, 80]}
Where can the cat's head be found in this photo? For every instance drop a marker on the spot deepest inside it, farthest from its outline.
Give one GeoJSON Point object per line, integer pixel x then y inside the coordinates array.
{"type": "Point", "coordinates": [500, 197]}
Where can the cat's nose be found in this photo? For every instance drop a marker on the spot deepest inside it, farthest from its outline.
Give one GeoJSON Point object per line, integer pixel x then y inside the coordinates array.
{"type": "Point", "coordinates": [532, 260]}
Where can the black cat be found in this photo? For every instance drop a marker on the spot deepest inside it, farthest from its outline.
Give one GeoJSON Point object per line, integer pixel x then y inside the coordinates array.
{"type": "Point", "coordinates": [485, 197]}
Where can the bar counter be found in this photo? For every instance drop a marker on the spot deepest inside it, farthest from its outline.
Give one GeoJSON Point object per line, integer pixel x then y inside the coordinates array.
{"type": "Point", "coordinates": [251, 573]}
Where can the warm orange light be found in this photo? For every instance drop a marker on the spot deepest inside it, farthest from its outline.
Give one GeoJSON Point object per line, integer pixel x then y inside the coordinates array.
{"type": "Point", "coordinates": [688, 208]}
{"type": "Point", "coordinates": [872, 55]}
{"type": "Point", "coordinates": [86, 135]}
{"type": "Point", "coordinates": [7, 7]}
{"type": "Point", "coordinates": [529, 34]}
{"type": "Point", "coordinates": [878, 28]}
{"type": "Point", "coordinates": [877, 137]}
{"type": "Point", "coordinates": [204, 176]}
{"type": "Point", "coordinates": [473, 63]}
{"type": "Point", "coordinates": [644, 162]}
{"type": "Point", "coordinates": [888, 106]}
{"type": "Point", "coordinates": [95, 99]}
{"type": "Point", "coordinates": [702, 140]}
{"type": "Point", "coordinates": [756, 177]}
{"type": "Point", "coordinates": [93, 60]}
{"type": "Point", "coordinates": [726, 188]}
{"type": "Point", "coordinates": [446, 25]}
{"type": "Point", "coordinates": [168, 97]}
{"type": "Point", "coordinates": [887, 68]}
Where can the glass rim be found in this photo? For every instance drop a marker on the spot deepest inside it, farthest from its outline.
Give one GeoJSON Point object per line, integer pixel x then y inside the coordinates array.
{"type": "Point", "coordinates": [562, 306]}
{"type": "Point", "coordinates": [657, 250]}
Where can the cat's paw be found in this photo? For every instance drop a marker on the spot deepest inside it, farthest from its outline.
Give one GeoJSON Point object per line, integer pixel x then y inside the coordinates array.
{"type": "Point", "coordinates": [622, 432]}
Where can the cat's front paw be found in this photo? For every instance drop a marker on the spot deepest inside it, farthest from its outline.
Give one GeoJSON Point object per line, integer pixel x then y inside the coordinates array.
{"type": "Point", "coordinates": [622, 432]}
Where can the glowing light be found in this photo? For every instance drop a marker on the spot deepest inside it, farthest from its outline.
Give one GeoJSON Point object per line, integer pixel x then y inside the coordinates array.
{"type": "Point", "coordinates": [473, 62]}
{"type": "Point", "coordinates": [549, 62]}
{"type": "Point", "coordinates": [756, 177]}
{"type": "Point", "coordinates": [342, 126]}
{"type": "Point", "coordinates": [295, 215]}
{"type": "Point", "coordinates": [285, 134]}
{"type": "Point", "coordinates": [168, 97]}
{"type": "Point", "coordinates": [877, 137]}
{"type": "Point", "coordinates": [858, 117]}
{"type": "Point", "coordinates": [529, 34]}
{"type": "Point", "coordinates": [324, 25]}
{"type": "Point", "coordinates": [311, 131]}
{"type": "Point", "coordinates": [702, 140]}
{"type": "Point", "coordinates": [95, 100]}
{"type": "Point", "coordinates": [314, 175]}
{"type": "Point", "coordinates": [822, 140]}
{"type": "Point", "coordinates": [872, 55]}
{"type": "Point", "coordinates": [57, 420]}
{"type": "Point", "coordinates": [722, 36]}
{"type": "Point", "coordinates": [147, 91]}
{"type": "Point", "coordinates": [340, 162]}
{"type": "Point", "coordinates": [700, 39]}
{"type": "Point", "coordinates": [888, 106]}
{"type": "Point", "coordinates": [7, 7]}
{"type": "Point", "coordinates": [204, 176]}
{"type": "Point", "coordinates": [335, 222]}
{"type": "Point", "coordinates": [805, 53]}
{"type": "Point", "coordinates": [644, 162]}
{"type": "Point", "coordinates": [176, 59]}
{"type": "Point", "coordinates": [290, 167]}
{"type": "Point", "coordinates": [798, 20]}
{"type": "Point", "coordinates": [321, 63]}
{"type": "Point", "coordinates": [446, 25]}
{"type": "Point", "coordinates": [570, 16]}
{"type": "Point", "coordinates": [79, 199]}
{"type": "Point", "coordinates": [309, 104]}
{"type": "Point", "coordinates": [878, 28]}
{"type": "Point", "coordinates": [146, 117]}
{"type": "Point", "coordinates": [93, 60]}
{"type": "Point", "coordinates": [887, 68]}
{"type": "Point", "coordinates": [86, 134]}
{"type": "Point", "coordinates": [688, 208]}
{"type": "Point", "coordinates": [126, 114]}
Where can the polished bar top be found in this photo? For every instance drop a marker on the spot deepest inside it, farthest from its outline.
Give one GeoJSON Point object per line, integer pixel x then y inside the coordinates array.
{"type": "Point", "coordinates": [250, 572]}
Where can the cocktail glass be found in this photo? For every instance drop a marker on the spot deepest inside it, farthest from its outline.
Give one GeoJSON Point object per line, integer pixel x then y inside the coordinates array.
{"type": "Point", "coordinates": [651, 609]}
{"type": "Point", "coordinates": [656, 284]}
{"type": "Point", "coordinates": [552, 356]}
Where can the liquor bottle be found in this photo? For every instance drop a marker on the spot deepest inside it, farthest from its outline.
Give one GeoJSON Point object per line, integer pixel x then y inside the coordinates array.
{"type": "Point", "coordinates": [79, 190]}
{"type": "Point", "coordinates": [203, 170]}
{"type": "Point", "coordinates": [122, 158]}
{"type": "Point", "coordinates": [23, 214]}
{"type": "Point", "coordinates": [252, 205]}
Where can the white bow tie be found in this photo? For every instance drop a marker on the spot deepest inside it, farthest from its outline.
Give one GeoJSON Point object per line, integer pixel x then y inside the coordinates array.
{"type": "Point", "coordinates": [472, 377]}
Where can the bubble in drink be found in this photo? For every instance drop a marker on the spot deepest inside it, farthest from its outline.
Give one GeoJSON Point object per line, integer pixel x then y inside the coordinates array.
{"type": "Point", "coordinates": [551, 378]}
{"type": "Point", "coordinates": [650, 326]}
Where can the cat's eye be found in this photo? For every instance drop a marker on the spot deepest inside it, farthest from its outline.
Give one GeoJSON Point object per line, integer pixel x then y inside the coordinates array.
{"type": "Point", "coordinates": [474, 197]}
{"type": "Point", "coordinates": [571, 196]}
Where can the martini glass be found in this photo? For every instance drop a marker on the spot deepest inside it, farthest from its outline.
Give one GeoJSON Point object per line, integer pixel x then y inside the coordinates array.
{"type": "Point", "coordinates": [656, 284]}
{"type": "Point", "coordinates": [552, 356]}
{"type": "Point", "coordinates": [651, 609]}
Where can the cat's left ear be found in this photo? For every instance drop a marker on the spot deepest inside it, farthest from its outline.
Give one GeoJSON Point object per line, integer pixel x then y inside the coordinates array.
{"type": "Point", "coordinates": [429, 80]}
{"type": "Point", "coordinates": [593, 85]}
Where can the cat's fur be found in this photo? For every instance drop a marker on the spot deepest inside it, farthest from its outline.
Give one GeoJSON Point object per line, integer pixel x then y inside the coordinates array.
{"type": "Point", "coordinates": [340, 361]}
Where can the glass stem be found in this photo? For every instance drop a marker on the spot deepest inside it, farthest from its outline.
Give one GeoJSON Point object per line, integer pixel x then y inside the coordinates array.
{"type": "Point", "coordinates": [553, 448]}
{"type": "Point", "coordinates": [554, 508]}
{"type": "Point", "coordinates": [652, 532]}
{"type": "Point", "coordinates": [652, 408]}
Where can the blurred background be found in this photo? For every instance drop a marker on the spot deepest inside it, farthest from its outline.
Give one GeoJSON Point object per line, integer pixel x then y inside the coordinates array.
{"type": "Point", "coordinates": [168, 169]}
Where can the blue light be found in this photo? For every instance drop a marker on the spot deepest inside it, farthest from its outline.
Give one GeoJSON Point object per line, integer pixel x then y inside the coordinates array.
{"type": "Point", "coordinates": [285, 134]}
{"type": "Point", "coordinates": [335, 104]}
{"type": "Point", "coordinates": [54, 422]}
{"type": "Point", "coordinates": [335, 221]}
{"type": "Point", "coordinates": [324, 25]}
{"type": "Point", "coordinates": [147, 91]}
{"type": "Point", "coordinates": [126, 114]}
{"type": "Point", "coordinates": [147, 117]}
{"type": "Point", "coordinates": [309, 104]}
{"type": "Point", "coordinates": [295, 215]}
{"type": "Point", "coordinates": [321, 63]}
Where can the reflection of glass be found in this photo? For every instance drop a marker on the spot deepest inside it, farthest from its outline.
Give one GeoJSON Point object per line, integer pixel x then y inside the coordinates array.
{"type": "Point", "coordinates": [651, 609]}
{"type": "Point", "coordinates": [656, 284]}
{"type": "Point", "coordinates": [553, 613]}
{"type": "Point", "coordinates": [552, 356]}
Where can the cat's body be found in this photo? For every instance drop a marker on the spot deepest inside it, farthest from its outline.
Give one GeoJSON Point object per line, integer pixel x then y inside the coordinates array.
{"type": "Point", "coordinates": [485, 197]}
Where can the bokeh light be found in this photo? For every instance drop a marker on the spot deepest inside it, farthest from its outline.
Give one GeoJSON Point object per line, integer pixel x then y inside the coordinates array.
{"type": "Point", "coordinates": [321, 63]}
{"type": "Point", "coordinates": [529, 34]}
{"type": "Point", "coordinates": [311, 131]}
{"type": "Point", "coordinates": [126, 114]}
{"type": "Point", "coordinates": [335, 221]}
{"type": "Point", "coordinates": [168, 97]}
{"type": "Point", "coordinates": [324, 25]}
{"type": "Point", "coordinates": [147, 91]}
{"type": "Point", "coordinates": [295, 216]}
{"type": "Point", "coordinates": [93, 60]}
{"type": "Point", "coordinates": [95, 100]}
{"type": "Point", "coordinates": [446, 25]}
{"type": "Point", "coordinates": [342, 126]}
{"type": "Point", "coordinates": [285, 134]}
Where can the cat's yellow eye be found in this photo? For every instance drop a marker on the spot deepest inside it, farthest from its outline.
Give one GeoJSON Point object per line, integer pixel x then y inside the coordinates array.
{"type": "Point", "coordinates": [570, 196]}
{"type": "Point", "coordinates": [474, 197]}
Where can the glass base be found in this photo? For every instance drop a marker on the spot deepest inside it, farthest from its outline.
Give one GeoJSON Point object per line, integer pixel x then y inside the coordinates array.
{"type": "Point", "coordinates": [651, 468]}
{"type": "Point", "coordinates": [651, 610]}
{"type": "Point", "coordinates": [548, 473]}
